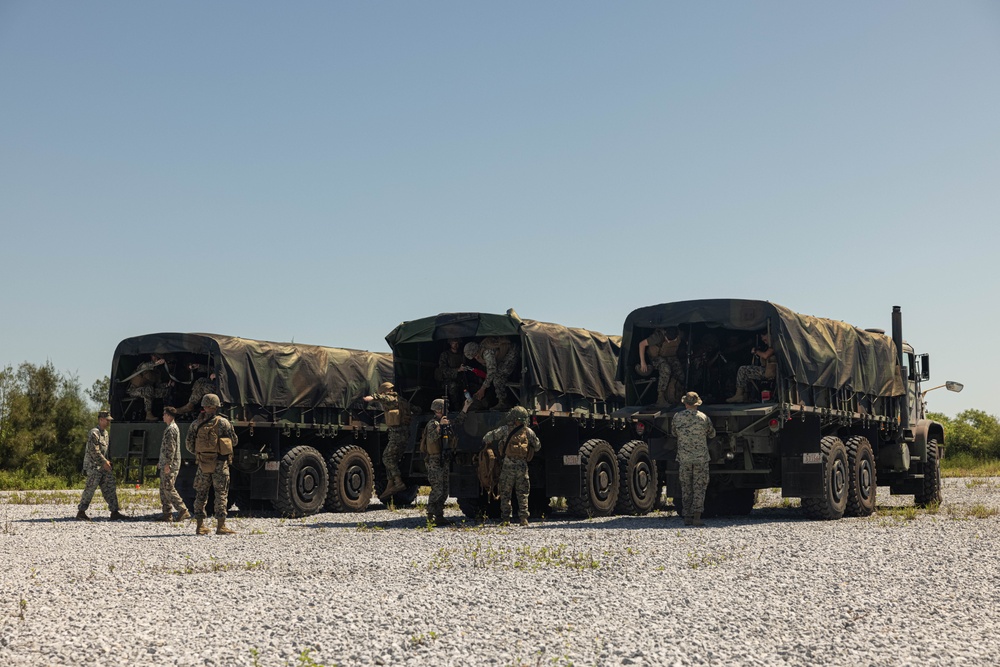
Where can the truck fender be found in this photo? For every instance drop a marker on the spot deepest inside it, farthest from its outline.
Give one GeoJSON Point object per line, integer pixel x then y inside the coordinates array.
{"type": "Point", "coordinates": [926, 429]}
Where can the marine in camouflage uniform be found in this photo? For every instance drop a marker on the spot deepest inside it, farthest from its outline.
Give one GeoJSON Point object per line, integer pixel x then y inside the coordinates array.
{"type": "Point", "coordinates": [97, 468]}
{"type": "Point", "coordinates": [145, 384]}
{"type": "Point", "coordinates": [199, 388]}
{"type": "Point", "coordinates": [746, 374]}
{"type": "Point", "coordinates": [692, 428]}
{"type": "Point", "coordinates": [514, 470]}
{"type": "Point", "coordinates": [432, 447]}
{"type": "Point", "coordinates": [219, 477]}
{"type": "Point", "coordinates": [392, 404]}
{"type": "Point", "coordinates": [499, 365]}
{"type": "Point", "coordinates": [666, 343]}
{"type": "Point", "coordinates": [449, 371]}
{"type": "Point", "coordinates": [169, 465]}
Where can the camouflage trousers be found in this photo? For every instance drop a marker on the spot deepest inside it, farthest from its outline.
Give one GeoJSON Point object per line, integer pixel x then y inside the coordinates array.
{"type": "Point", "coordinates": [694, 483]}
{"type": "Point", "coordinates": [105, 480]}
{"type": "Point", "coordinates": [514, 478]}
{"type": "Point", "coordinates": [437, 477]}
{"type": "Point", "coordinates": [147, 394]}
{"type": "Point", "coordinates": [168, 492]}
{"type": "Point", "coordinates": [505, 367]}
{"type": "Point", "coordinates": [200, 387]}
{"type": "Point", "coordinates": [668, 368]}
{"type": "Point", "coordinates": [394, 451]}
{"type": "Point", "coordinates": [747, 373]}
{"type": "Point", "coordinates": [203, 482]}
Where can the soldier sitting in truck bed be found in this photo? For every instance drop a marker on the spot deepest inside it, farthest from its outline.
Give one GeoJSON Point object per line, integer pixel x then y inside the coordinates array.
{"type": "Point", "coordinates": [660, 351]}
{"type": "Point", "coordinates": [501, 358]}
{"type": "Point", "coordinates": [765, 371]}
{"type": "Point", "coordinates": [146, 382]}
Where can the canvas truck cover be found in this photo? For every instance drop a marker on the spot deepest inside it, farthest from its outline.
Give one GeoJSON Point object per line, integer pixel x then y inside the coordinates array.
{"type": "Point", "coordinates": [810, 350]}
{"type": "Point", "coordinates": [282, 375]}
{"type": "Point", "coordinates": [556, 358]}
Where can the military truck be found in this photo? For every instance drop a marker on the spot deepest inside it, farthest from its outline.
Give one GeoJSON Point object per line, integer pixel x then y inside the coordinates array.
{"type": "Point", "coordinates": [566, 381]}
{"type": "Point", "coordinates": [307, 441]}
{"type": "Point", "coordinates": [842, 414]}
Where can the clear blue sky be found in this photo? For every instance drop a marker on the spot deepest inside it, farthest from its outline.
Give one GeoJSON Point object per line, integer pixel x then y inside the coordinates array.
{"type": "Point", "coordinates": [321, 171]}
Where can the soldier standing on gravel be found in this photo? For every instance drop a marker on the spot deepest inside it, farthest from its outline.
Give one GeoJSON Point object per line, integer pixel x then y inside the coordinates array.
{"type": "Point", "coordinates": [170, 465]}
{"type": "Point", "coordinates": [432, 448]}
{"type": "Point", "coordinates": [97, 468]}
{"type": "Point", "coordinates": [211, 439]}
{"type": "Point", "coordinates": [397, 419]}
{"type": "Point", "coordinates": [518, 444]}
{"type": "Point", "coordinates": [692, 428]}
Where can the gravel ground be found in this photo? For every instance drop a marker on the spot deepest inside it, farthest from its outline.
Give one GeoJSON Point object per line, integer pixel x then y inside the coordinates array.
{"type": "Point", "coordinates": [902, 587]}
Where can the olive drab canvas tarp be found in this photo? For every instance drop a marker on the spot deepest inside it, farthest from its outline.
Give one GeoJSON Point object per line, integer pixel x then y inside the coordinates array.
{"type": "Point", "coordinates": [555, 358]}
{"type": "Point", "coordinates": [263, 373]}
{"type": "Point", "coordinates": [811, 350]}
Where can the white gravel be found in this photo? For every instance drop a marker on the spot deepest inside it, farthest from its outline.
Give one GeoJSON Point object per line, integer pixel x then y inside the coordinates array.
{"type": "Point", "coordinates": [377, 588]}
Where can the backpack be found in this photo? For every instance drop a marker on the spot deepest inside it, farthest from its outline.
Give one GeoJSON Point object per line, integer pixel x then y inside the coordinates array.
{"type": "Point", "coordinates": [209, 446]}
{"type": "Point", "coordinates": [488, 471]}
{"type": "Point", "coordinates": [518, 447]}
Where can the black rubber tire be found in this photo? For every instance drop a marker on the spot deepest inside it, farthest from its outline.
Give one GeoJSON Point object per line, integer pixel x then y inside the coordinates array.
{"type": "Point", "coordinates": [835, 482]}
{"type": "Point", "coordinates": [637, 472]}
{"type": "Point", "coordinates": [599, 480]}
{"type": "Point", "coordinates": [352, 480]}
{"type": "Point", "coordinates": [863, 483]}
{"type": "Point", "coordinates": [930, 492]}
{"type": "Point", "coordinates": [302, 482]}
{"type": "Point", "coordinates": [404, 498]}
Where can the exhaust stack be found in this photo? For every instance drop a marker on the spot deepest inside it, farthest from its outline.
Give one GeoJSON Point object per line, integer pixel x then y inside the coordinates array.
{"type": "Point", "coordinates": [897, 339]}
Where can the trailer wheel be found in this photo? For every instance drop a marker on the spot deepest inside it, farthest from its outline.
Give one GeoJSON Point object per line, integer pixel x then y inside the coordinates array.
{"type": "Point", "coordinates": [302, 482]}
{"type": "Point", "coordinates": [638, 474]}
{"type": "Point", "coordinates": [930, 491]}
{"type": "Point", "coordinates": [351, 480]}
{"type": "Point", "coordinates": [862, 484]}
{"type": "Point", "coordinates": [835, 482]}
{"type": "Point", "coordinates": [599, 480]}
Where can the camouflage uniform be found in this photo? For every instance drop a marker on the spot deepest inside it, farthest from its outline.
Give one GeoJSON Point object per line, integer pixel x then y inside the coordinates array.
{"type": "Point", "coordinates": [219, 478]}
{"type": "Point", "coordinates": [149, 372]}
{"type": "Point", "coordinates": [692, 428]}
{"type": "Point", "coordinates": [95, 455]}
{"type": "Point", "coordinates": [665, 361]}
{"type": "Point", "coordinates": [437, 471]}
{"type": "Point", "coordinates": [170, 455]}
{"type": "Point", "coordinates": [514, 472]}
{"type": "Point", "coordinates": [498, 371]}
{"type": "Point", "coordinates": [199, 388]}
{"type": "Point", "coordinates": [396, 435]}
{"type": "Point", "coordinates": [449, 374]}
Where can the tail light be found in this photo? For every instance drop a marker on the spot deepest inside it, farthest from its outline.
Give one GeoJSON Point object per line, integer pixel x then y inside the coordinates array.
{"type": "Point", "coordinates": [773, 425]}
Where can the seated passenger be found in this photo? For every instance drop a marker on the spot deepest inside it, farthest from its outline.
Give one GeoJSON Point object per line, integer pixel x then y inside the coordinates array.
{"type": "Point", "coordinates": [659, 351]}
{"type": "Point", "coordinates": [766, 370]}
{"type": "Point", "coordinates": [501, 358]}
{"type": "Point", "coordinates": [201, 386]}
{"type": "Point", "coordinates": [147, 382]}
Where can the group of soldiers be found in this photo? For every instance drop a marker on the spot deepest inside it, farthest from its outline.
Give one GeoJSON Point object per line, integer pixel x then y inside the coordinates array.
{"type": "Point", "coordinates": [148, 383]}
{"type": "Point", "coordinates": [469, 371]}
{"type": "Point", "coordinates": [211, 439]}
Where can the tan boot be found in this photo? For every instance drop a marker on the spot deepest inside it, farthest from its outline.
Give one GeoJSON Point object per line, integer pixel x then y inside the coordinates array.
{"type": "Point", "coordinates": [82, 516]}
{"type": "Point", "coordinates": [439, 520]}
{"type": "Point", "coordinates": [201, 529]}
{"type": "Point", "coordinates": [524, 521]}
{"type": "Point", "coordinates": [696, 519]}
{"type": "Point", "coordinates": [395, 486]}
{"type": "Point", "coordinates": [165, 516]}
{"type": "Point", "coordinates": [738, 397]}
{"type": "Point", "coordinates": [184, 409]}
{"type": "Point", "coordinates": [220, 528]}
{"type": "Point", "coordinates": [150, 417]}
{"type": "Point", "coordinates": [183, 514]}
{"type": "Point", "coordinates": [117, 516]}
{"type": "Point", "coordinates": [687, 521]}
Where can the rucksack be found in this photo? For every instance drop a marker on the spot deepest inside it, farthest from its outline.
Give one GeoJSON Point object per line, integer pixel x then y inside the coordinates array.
{"type": "Point", "coordinates": [488, 471]}
{"type": "Point", "coordinates": [209, 446]}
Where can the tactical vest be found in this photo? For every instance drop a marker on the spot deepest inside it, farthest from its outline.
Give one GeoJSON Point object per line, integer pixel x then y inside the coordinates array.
{"type": "Point", "coordinates": [518, 447]}
{"type": "Point", "coordinates": [428, 446]}
{"type": "Point", "coordinates": [208, 441]}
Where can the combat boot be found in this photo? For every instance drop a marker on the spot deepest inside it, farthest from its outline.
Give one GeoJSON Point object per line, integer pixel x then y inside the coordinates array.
{"type": "Point", "coordinates": [395, 486]}
{"type": "Point", "coordinates": [439, 521]}
{"type": "Point", "coordinates": [504, 520]}
{"type": "Point", "coordinates": [150, 417]}
{"type": "Point", "coordinates": [184, 409]}
{"type": "Point", "coordinates": [166, 516]}
{"type": "Point", "coordinates": [687, 520]}
{"type": "Point", "coordinates": [183, 514]}
{"type": "Point", "coordinates": [696, 519]}
{"type": "Point", "coordinates": [739, 397]}
{"type": "Point", "coordinates": [118, 516]}
{"type": "Point", "coordinates": [201, 529]}
{"type": "Point", "coordinates": [524, 521]}
{"type": "Point", "coordinates": [220, 528]}
{"type": "Point", "coordinates": [82, 516]}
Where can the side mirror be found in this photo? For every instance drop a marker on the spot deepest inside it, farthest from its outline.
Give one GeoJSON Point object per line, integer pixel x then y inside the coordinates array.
{"type": "Point", "coordinates": [954, 386]}
{"type": "Point", "coordinates": [925, 367]}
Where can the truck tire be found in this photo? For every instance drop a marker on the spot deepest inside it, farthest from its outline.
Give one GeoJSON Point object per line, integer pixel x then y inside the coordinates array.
{"type": "Point", "coordinates": [863, 484]}
{"type": "Point", "coordinates": [302, 482]}
{"type": "Point", "coordinates": [351, 480]}
{"type": "Point", "coordinates": [835, 482]}
{"type": "Point", "coordinates": [638, 474]}
{"type": "Point", "coordinates": [930, 491]}
{"type": "Point", "coordinates": [598, 480]}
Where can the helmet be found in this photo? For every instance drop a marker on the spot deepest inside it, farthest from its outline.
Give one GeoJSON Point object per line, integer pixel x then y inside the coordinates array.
{"type": "Point", "coordinates": [385, 386]}
{"type": "Point", "coordinates": [471, 350]}
{"type": "Point", "coordinates": [517, 414]}
{"type": "Point", "coordinates": [210, 401]}
{"type": "Point", "coordinates": [437, 405]}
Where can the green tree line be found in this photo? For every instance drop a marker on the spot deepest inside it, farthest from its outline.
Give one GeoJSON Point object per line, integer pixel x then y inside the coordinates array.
{"type": "Point", "coordinates": [972, 433]}
{"type": "Point", "coordinates": [45, 416]}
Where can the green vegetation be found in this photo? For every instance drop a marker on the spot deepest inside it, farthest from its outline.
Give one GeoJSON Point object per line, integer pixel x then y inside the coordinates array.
{"type": "Point", "coordinates": [967, 465]}
{"type": "Point", "coordinates": [971, 432]}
